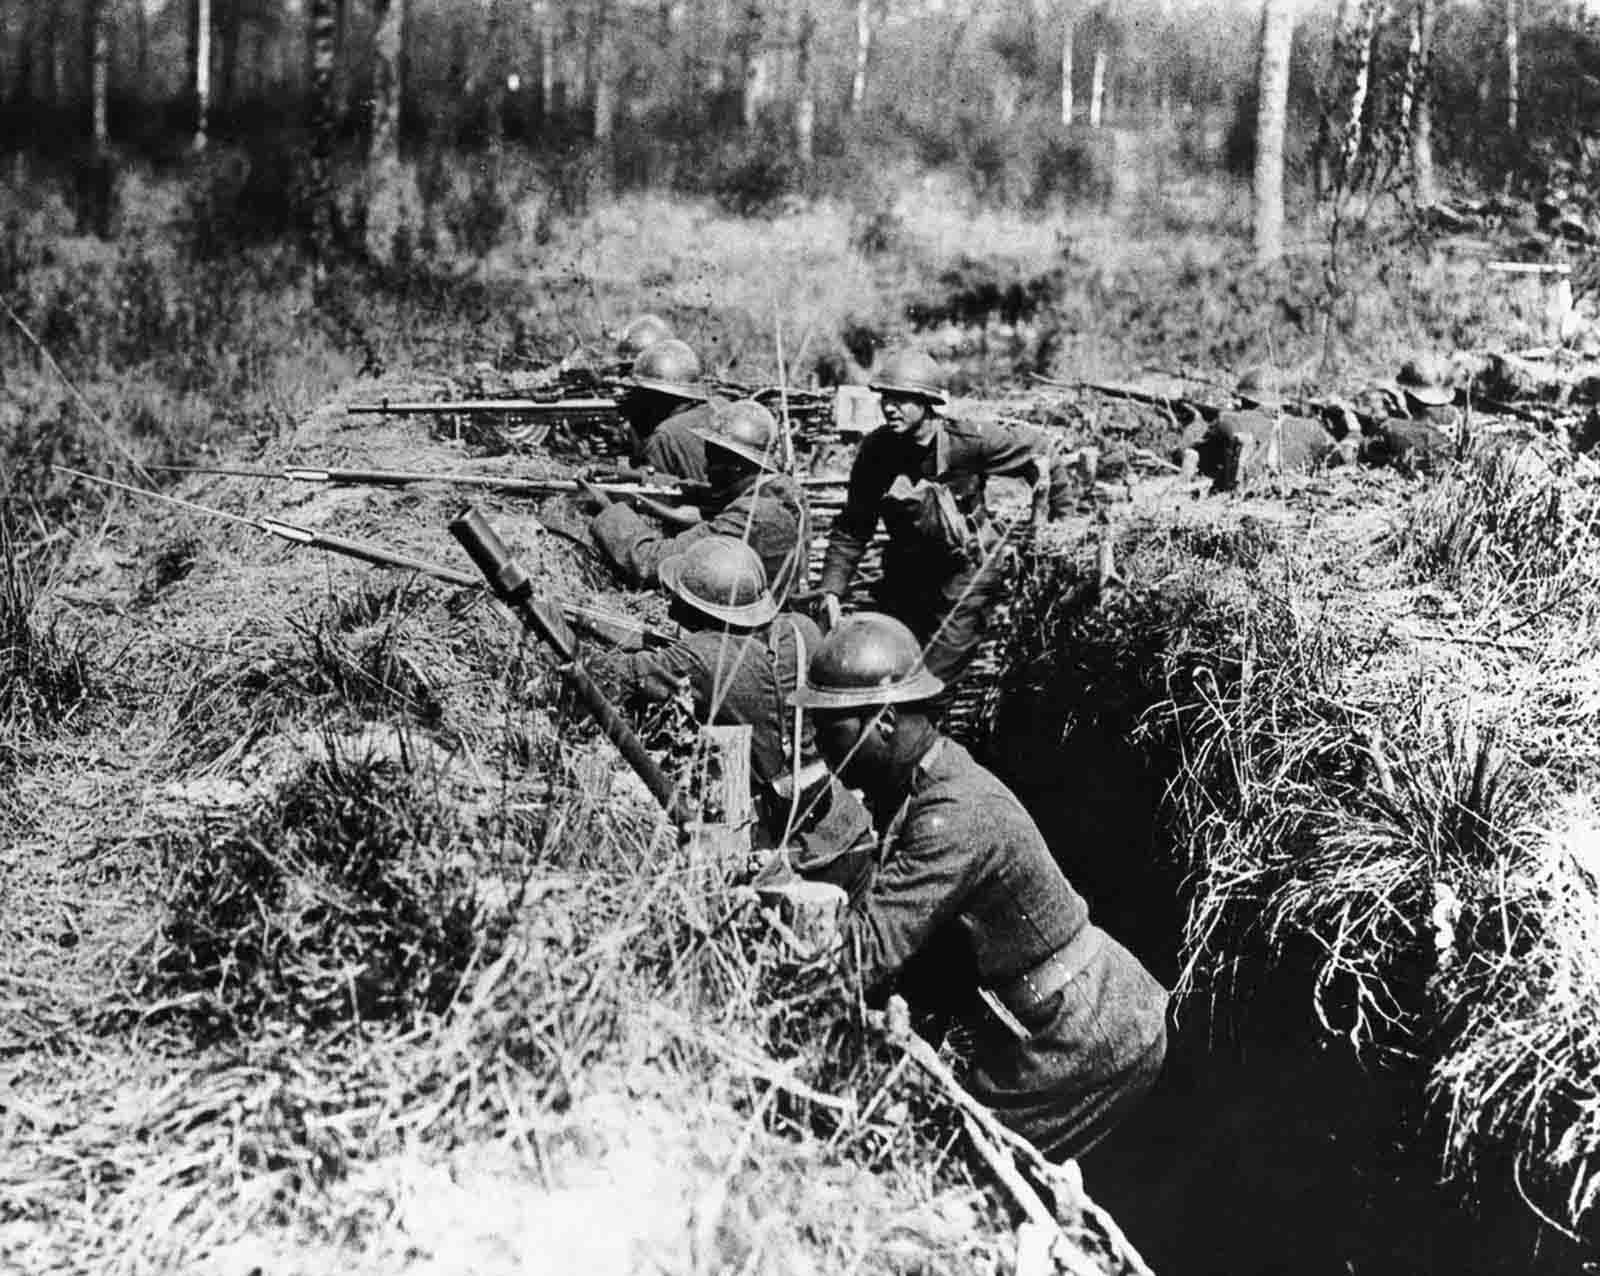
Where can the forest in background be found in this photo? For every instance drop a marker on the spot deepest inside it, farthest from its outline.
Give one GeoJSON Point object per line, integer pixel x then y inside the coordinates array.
{"type": "Point", "coordinates": [1034, 105]}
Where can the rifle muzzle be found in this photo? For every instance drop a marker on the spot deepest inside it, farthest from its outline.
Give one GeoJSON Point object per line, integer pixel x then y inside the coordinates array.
{"type": "Point", "coordinates": [491, 557]}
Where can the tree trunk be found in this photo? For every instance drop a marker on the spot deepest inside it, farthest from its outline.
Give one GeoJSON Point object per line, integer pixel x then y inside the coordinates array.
{"type": "Point", "coordinates": [1422, 111]}
{"type": "Point", "coordinates": [1097, 88]}
{"type": "Point", "coordinates": [141, 39]}
{"type": "Point", "coordinates": [604, 79]}
{"type": "Point", "coordinates": [805, 106]}
{"type": "Point", "coordinates": [384, 142]}
{"type": "Point", "coordinates": [57, 65]}
{"type": "Point", "coordinates": [547, 60]}
{"type": "Point", "coordinates": [858, 84]}
{"type": "Point", "coordinates": [756, 68]}
{"type": "Point", "coordinates": [202, 72]}
{"type": "Point", "coordinates": [99, 72]}
{"type": "Point", "coordinates": [1272, 108]}
{"type": "Point", "coordinates": [1513, 75]}
{"type": "Point", "coordinates": [1066, 69]}
{"type": "Point", "coordinates": [1365, 34]}
{"type": "Point", "coordinates": [321, 32]}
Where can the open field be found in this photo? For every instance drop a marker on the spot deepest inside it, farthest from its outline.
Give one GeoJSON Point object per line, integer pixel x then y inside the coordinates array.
{"type": "Point", "coordinates": [335, 941]}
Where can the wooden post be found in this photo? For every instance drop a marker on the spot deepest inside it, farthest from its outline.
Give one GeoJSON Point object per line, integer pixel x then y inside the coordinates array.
{"type": "Point", "coordinates": [719, 843]}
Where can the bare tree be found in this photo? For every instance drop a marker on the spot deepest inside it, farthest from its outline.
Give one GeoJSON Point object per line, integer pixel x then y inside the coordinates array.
{"type": "Point", "coordinates": [387, 44]}
{"type": "Point", "coordinates": [858, 83]}
{"type": "Point", "coordinates": [1362, 35]}
{"type": "Point", "coordinates": [99, 19]}
{"type": "Point", "coordinates": [1097, 86]}
{"type": "Point", "coordinates": [321, 33]}
{"type": "Point", "coordinates": [545, 16]}
{"type": "Point", "coordinates": [1422, 109]}
{"type": "Point", "coordinates": [202, 72]}
{"type": "Point", "coordinates": [1066, 67]}
{"type": "Point", "coordinates": [1513, 74]}
{"type": "Point", "coordinates": [805, 98]}
{"type": "Point", "coordinates": [1272, 108]}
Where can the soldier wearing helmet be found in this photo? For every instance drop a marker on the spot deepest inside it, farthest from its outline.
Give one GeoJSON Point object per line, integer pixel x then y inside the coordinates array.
{"type": "Point", "coordinates": [749, 497]}
{"type": "Point", "coordinates": [966, 912]}
{"type": "Point", "coordinates": [924, 476]}
{"type": "Point", "coordinates": [741, 661]}
{"type": "Point", "coordinates": [665, 404]}
{"type": "Point", "coordinates": [1419, 432]}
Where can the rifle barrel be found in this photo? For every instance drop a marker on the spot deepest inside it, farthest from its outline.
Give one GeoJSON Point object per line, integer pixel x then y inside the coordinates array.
{"type": "Point", "coordinates": [421, 407]}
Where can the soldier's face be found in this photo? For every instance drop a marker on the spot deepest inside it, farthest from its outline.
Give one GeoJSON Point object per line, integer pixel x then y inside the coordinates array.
{"type": "Point", "coordinates": [907, 415]}
{"type": "Point", "coordinates": [851, 741]}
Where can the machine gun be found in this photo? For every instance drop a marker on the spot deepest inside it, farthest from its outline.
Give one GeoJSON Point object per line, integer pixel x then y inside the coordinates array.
{"type": "Point", "coordinates": [609, 627]}
{"type": "Point", "coordinates": [497, 407]}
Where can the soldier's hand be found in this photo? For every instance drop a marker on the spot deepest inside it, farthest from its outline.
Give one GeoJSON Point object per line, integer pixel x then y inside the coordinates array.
{"type": "Point", "coordinates": [590, 498]}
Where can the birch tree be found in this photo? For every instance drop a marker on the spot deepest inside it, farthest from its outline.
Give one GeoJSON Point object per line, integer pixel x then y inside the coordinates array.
{"type": "Point", "coordinates": [1272, 108]}
{"type": "Point", "coordinates": [805, 98]}
{"type": "Point", "coordinates": [1066, 68]}
{"type": "Point", "coordinates": [202, 72]}
{"type": "Point", "coordinates": [99, 72]}
{"type": "Point", "coordinates": [858, 82]}
{"type": "Point", "coordinates": [1422, 108]}
{"type": "Point", "coordinates": [1513, 71]}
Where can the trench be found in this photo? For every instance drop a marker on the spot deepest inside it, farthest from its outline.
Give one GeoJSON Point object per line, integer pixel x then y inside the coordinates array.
{"type": "Point", "coordinates": [1266, 1147]}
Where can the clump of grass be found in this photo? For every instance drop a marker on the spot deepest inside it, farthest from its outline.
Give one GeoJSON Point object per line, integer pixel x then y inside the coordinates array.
{"type": "Point", "coordinates": [1512, 529]}
{"type": "Point", "coordinates": [45, 675]}
{"type": "Point", "coordinates": [351, 898]}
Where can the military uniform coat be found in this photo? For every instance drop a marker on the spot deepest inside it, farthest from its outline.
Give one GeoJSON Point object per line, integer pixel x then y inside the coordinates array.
{"type": "Point", "coordinates": [935, 576]}
{"type": "Point", "coordinates": [746, 677]}
{"type": "Point", "coordinates": [967, 896]}
{"type": "Point", "coordinates": [768, 512]}
{"type": "Point", "coordinates": [1279, 444]}
{"type": "Point", "coordinates": [674, 448]}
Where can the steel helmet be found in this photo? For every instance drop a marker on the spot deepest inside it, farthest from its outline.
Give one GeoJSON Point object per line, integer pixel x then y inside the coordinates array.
{"type": "Point", "coordinates": [911, 372]}
{"type": "Point", "coordinates": [668, 367]}
{"type": "Point", "coordinates": [641, 334]}
{"type": "Point", "coordinates": [1426, 380]}
{"type": "Point", "coordinates": [1258, 388]}
{"type": "Point", "coordinates": [867, 659]}
{"type": "Point", "coordinates": [747, 429]}
{"type": "Point", "coordinates": [723, 578]}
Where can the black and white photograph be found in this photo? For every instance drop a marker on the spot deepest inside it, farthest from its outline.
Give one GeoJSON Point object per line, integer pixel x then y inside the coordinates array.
{"type": "Point", "coordinates": [799, 637]}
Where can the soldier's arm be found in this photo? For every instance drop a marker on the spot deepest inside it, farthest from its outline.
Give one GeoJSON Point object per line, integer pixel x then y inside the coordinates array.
{"type": "Point", "coordinates": [637, 545]}
{"type": "Point", "coordinates": [1012, 452]}
{"type": "Point", "coordinates": [856, 523]}
{"type": "Point", "coordinates": [918, 887]}
{"type": "Point", "coordinates": [648, 677]}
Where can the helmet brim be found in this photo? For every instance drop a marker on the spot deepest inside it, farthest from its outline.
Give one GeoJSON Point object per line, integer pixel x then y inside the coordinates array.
{"type": "Point", "coordinates": [676, 389]}
{"type": "Point", "coordinates": [921, 685]}
{"type": "Point", "coordinates": [936, 397]}
{"type": "Point", "coordinates": [761, 612]}
{"type": "Point", "coordinates": [1433, 395]}
{"type": "Point", "coordinates": [713, 439]}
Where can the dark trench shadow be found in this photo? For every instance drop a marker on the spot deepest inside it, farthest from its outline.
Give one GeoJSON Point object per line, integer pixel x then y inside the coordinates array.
{"type": "Point", "coordinates": [1272, 1152]}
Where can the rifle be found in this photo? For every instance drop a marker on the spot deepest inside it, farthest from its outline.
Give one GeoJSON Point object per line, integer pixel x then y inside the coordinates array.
{"type": "Point", "coordinates": [622, 631]}
{"type": "Point", "coordinates": [497, 407]}
{"type": "Point", "coordinates": [490, 482]}
{"type": "Point", "coordinates": [512, 586]}
{"type": "Point", "coordinates": [1182, 409]}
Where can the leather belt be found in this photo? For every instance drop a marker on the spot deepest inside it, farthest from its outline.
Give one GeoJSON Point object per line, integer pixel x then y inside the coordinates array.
{"type": "Point", "coordinates": [1027, 993]}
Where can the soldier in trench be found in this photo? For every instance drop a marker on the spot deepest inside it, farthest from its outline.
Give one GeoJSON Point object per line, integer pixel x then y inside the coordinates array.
{"type": "Point", "coordinates": [1260, 437]}
{"type": "Point", "coordinates": [666, 406]}
{"type": "Point", "coordinates": [750, 497]}
{"type": "Point", "coordinates": [1421, 430]}
{"type": "Point", "coordinates": [740, 661]}
{"type": "Point", "coordinates": [966, 912]}
{"type": "Point", "coordinates": [925, 475]}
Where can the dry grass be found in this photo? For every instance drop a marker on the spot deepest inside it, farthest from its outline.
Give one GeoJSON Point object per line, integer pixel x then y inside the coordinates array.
{"type": "Point", "coordinates": [1356, 718]}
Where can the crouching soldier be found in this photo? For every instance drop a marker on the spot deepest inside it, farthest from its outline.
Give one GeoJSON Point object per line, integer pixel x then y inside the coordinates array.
{"type": "Point", "coordinates": [925, 476]}
{"type": "Point", "coordinates": [968, 915]}
{"type": "Point", "coordinates": [665, 404]}
{"type": "Point", "coordinates": [749, 498]}
{"type": "Point", "coordinates": [740, 661]}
